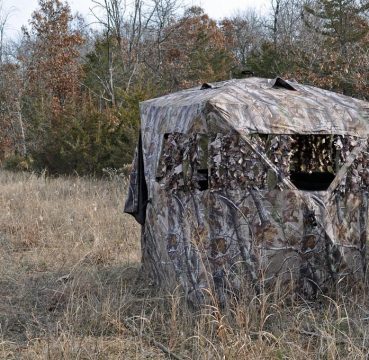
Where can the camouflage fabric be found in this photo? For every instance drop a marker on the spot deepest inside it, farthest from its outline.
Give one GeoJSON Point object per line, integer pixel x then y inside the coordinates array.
{"type": "Point", "coordinates": [224, 208]}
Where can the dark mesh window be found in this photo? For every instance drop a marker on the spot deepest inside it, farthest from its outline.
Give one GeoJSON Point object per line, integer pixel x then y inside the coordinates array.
{"type": "Point", "coordinates": [314, 162]}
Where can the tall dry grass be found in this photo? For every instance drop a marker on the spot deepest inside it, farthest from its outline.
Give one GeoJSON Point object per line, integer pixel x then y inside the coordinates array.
{"type": "Point", "coordinates": [69, 289]}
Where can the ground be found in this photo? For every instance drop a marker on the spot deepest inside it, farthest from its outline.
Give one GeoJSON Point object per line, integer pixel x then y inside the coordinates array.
{"type": "Point", "coordinates": [70, 288]}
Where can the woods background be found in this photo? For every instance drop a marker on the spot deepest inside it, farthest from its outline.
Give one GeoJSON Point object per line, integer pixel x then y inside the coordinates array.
{"type": "Point", "coordinates": [69, 92]}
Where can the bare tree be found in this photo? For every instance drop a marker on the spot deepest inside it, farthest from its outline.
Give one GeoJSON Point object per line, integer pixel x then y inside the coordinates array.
{"type": "Point", "coordinates": [285, 21]}
{"type": "Point", "coordinates": [12, 127]}
{"type": "Point", "coordinates": [12, 130]}
{"type": "Point", "coordinates": [164, 12]}
{"type": "Point", "coordinates": [122, 26]}
{"type": "Point", "coordinates": [128, 29]}
{"type": "Point", "coordinates": [276, 7]}
{"type": "Point", "coordinates": [111, 19]}
{"type": "Point", "coordinates": [245, 32]}
{"type": "Point", "coordinates": [4, 18]}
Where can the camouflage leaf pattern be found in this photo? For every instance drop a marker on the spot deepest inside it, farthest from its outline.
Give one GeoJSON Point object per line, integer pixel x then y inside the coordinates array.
{"type": "Point", "coordinates": [223, 212]}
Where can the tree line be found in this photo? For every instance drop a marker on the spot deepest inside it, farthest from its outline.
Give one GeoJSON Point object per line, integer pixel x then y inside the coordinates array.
{"type": "Point", "coordinates": [69, 92]}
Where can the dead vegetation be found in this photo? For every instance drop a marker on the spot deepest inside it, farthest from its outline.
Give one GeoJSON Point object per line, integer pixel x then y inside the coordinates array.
{"type": "Point", "coordinates": [69, 289]}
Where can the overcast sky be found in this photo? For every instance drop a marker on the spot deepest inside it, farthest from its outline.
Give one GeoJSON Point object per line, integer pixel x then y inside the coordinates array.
{"type": "Point", "coordinates": [21, 10]}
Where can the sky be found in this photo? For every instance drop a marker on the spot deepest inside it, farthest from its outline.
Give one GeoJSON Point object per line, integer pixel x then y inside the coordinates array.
{"type": "Point", "coordinates": [21, 10]}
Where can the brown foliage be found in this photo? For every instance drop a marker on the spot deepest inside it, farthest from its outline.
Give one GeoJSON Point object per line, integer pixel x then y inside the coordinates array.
{"type": "Point", "coordinates": [194, 51]}
{"type": "Point", "coordinates": [54, 64]}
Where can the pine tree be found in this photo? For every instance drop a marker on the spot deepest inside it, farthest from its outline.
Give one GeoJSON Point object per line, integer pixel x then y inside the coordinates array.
{"type": "Point", "coordinates": [342, 21]}
{"type": "Point", "coordinates": [341, 53]}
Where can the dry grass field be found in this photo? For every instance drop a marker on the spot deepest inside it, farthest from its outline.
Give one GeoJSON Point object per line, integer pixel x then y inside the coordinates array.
{"type": "Point", "coordinates": [70, 289]}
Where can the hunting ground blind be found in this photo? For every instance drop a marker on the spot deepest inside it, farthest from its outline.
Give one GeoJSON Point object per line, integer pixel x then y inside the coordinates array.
{"type": "Point", "coordinates": [252, 182]}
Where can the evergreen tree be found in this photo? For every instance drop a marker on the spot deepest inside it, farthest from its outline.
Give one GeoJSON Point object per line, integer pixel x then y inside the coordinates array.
{"type": "Point", "coordinates": [338, 62]}
{"type": "Point", "coordinates": [342, 22]}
